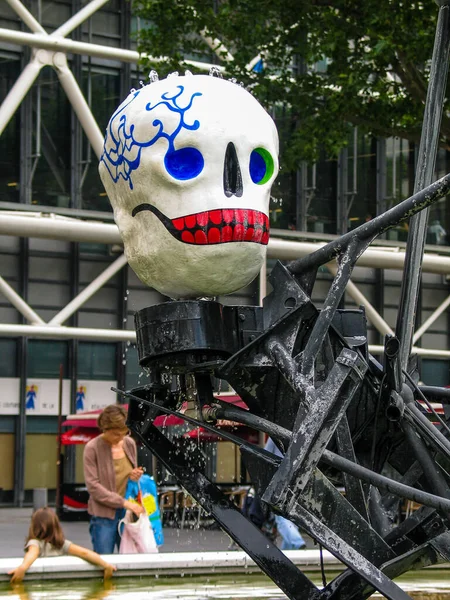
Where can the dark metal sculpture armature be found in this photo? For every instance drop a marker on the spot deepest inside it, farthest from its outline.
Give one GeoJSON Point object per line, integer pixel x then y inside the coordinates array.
{"type": "Point", "coordinates": [341, 418]}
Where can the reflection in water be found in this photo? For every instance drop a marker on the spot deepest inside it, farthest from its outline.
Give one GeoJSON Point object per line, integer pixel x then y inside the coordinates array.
{"type": "Point", "coordinates": [429, 585]}
{"type": "Point", "coordinates": [61, 590]}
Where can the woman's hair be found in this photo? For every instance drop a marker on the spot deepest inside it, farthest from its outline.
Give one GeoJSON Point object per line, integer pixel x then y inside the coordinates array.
{"type": "Point", "coordinates": [45, 526]}
{"type": "Point", "coordinates": [113, 416]}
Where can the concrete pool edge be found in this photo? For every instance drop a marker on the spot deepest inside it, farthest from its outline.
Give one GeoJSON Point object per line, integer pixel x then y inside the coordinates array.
{"type": "Point", "coordinates": [161, 565]}
{"type": "Point", "coordinates": [168, 565]}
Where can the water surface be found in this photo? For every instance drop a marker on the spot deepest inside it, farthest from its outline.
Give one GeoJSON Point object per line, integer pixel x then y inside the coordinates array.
{"type": "Point", "coordinates": [426, 585]}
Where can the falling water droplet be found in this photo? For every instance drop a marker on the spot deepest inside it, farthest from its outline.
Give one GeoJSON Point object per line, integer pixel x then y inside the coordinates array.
{"type": "Point", "coordinates": [215, 72]}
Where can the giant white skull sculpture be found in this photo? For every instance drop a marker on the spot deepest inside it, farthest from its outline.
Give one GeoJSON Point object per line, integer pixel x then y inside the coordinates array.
{"type": "Point", "coordinates": [188, 163]}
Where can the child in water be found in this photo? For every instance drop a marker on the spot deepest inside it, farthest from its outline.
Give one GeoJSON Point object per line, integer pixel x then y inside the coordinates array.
{"type": "Point", "coordinates": [46, 538]}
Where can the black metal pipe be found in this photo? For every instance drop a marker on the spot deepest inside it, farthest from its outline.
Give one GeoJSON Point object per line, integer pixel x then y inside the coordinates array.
{"type": "Point", "coordinates": [370, 230]}
{"type": "Point", "coordinates": [326, 315]}
{"type": "Point", "coordinates": [384, 483]}
{"type": "Point", "coordinates": [258, 423]}
{"type": "Point", "coordinates": [333, 460]}
{"type": "Point", "coordinates": [395, 408]}
{"type": "Point", "coordinates": [429, 466]}
{"type": "Point", "coordinates": [429, 143]}
{"type": "Point", "coordinates": [392, 364]}
{"type": "Point", "coordinates": [342, 464]}
{"type": "Point", "coordinates": [431, 432]}
{"type": "Point", "coordinates": [436, 393]}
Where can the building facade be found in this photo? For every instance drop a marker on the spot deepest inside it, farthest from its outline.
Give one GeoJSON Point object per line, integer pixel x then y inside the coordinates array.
{"type": "Point", "coordinates": [62, 270]}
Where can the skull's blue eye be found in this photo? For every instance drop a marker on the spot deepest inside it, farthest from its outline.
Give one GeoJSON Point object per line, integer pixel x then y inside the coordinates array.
{"type": "Point", "coordinates": [261, 166]}
{"type": "Point", "coordinates": [184, 164]}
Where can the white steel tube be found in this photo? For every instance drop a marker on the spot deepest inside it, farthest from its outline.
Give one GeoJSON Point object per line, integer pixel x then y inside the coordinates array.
{"type": "Point", "coordinates": [18, 92]}
{"type": "Point", "coordinates": [81, 231]}
{"type": "Point", "coordinates": [286, 250]}
{"type": "Point", "coordinates": [19, 303]}
{"type": "Point", "coordinates": [119, 335]}
{"type": "Point", "coordinates": [59, 229]}
{"type": "Point", "coordinates": [26, 16]}
{"type": "Point", "coordinates": [431, 319]}
{"type": "Point", "coordinates": [48, 42]}
{"type": "Point", "coordinates": [75, 333]}
{"type": "Point", "coordinates": [88, 291]}
{"type": "Point", "coordinates": [425, 352]}
{"type": "Point", "coordinates": [263, 282]}
{"type": "Point", "coordinates": [78, 102]}
{"type": "Point", "coordinates": [374, 317]}
{"type": "Point", "coordinates": [79, 18]}
{"type": "Point", "coordinates": [217, 47]}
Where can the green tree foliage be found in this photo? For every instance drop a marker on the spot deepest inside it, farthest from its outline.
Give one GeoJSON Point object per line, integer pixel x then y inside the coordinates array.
{"type": "Point", "coordinates": [330, 63]}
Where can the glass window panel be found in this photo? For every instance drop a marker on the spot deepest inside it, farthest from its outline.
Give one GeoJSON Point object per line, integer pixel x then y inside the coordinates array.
{"type": "Point", "coordinates": [105, 23]}
{"type": "Point", "coordinates": [361, 179]}
{"type": "Point", "coordinates": [103, 88]}
{"type": "Point", "coordinates": [8, 364]}
{"type": "Point", "coordinates": [399, 179]}
{"type": "Point", "coordinates": [438, 232]}
{"type": "Point", "coordinates": [54, 14]}
{"type": "Point", "coordinates": [45, 357]}
{"type": "Point", "coordinates": [10, 138]}
{"type": "Point", "coordinates": [134, 373]}
{"type": "Point", "coordinates": [321, 215]}
{"type": "Point", "coordinates": [435, 372]}
{"type": "Point", "coordinates": [51, 181]}
{"type": "Point", "coordinates": [282, 201]}
{"type": "Point", "coordinates": [96, 361]}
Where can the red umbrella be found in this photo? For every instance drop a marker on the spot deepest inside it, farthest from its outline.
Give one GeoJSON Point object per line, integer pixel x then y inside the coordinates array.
{"type": "Point", "coordinates": [79, 435]}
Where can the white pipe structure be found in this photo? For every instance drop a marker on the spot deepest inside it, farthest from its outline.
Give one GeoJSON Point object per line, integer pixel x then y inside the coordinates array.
{"type": "Point", "coordinates": [217, 47]}
{"type": "Point", "coordinates": [59, 228]}
{"type": "Point", "coordinates": [19, 303]}
{"type": "Point", "coordinates": [424, 352]}
{"type": "Point", "coordinates": [263, 283]}
{"type": "Point", "coordinates": [26, 16]}
{"type": "Point", "coordinates": [119, 335]}
{"type": "Point", "coordinates": [371, 313]}
{"type": "Point", "coordinates": [78, 102]}
{"type": "Point", "coordinates": [19, 90]}
{"type": "Point", "coordinates": [431, 319]}
{"type": "Point", "coordinates": [78, 18]}
{"type": "Point", "coordinates": [379, 259]}
{"type": "Point", "coordinates": [74, 230]}
{"type": "Point", "coordinates": [38, 40]}
{"type": "Point", "coordinates": [88, 291]}
{"type": "Point", "coordinates": [75, 333]}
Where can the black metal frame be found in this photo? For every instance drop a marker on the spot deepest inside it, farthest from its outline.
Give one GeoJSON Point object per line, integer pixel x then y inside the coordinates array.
{"type": "Point", "coordinates": [339, 417]}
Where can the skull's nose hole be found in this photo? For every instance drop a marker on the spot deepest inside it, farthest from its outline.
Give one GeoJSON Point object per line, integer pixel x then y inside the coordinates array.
{"type": "Point", "coordinates": [232, 178]}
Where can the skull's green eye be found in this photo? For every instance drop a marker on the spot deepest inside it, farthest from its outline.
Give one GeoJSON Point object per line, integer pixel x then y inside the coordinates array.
{"type": "Point", "coordinates": [261, 166]}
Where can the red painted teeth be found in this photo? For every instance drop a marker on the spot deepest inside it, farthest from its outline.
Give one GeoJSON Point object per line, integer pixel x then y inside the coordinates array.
{"type": "Point", "coordinates": [222, 225]}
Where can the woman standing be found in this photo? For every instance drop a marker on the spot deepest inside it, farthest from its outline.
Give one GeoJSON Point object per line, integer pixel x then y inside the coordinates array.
{"type": "Point", "coordinates": [109, 461]}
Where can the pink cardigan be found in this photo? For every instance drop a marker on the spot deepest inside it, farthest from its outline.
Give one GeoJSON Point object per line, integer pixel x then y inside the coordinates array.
{"type": "Point", "coordinates": [100, 477]}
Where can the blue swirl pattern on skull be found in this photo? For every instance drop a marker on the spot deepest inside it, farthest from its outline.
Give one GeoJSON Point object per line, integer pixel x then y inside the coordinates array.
{"type": "Point", "coordinates": [122, 151]}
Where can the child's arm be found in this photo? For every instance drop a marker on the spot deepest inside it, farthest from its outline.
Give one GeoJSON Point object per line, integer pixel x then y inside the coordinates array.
{"type": "Point", "coordinates": [19, 572]}
{"type": "Point", "coordinates": [93, 558]}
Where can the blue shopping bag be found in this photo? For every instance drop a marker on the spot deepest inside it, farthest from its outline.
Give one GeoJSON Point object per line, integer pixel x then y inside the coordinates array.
{"type": "Point", "coordinates": [145, 492]}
